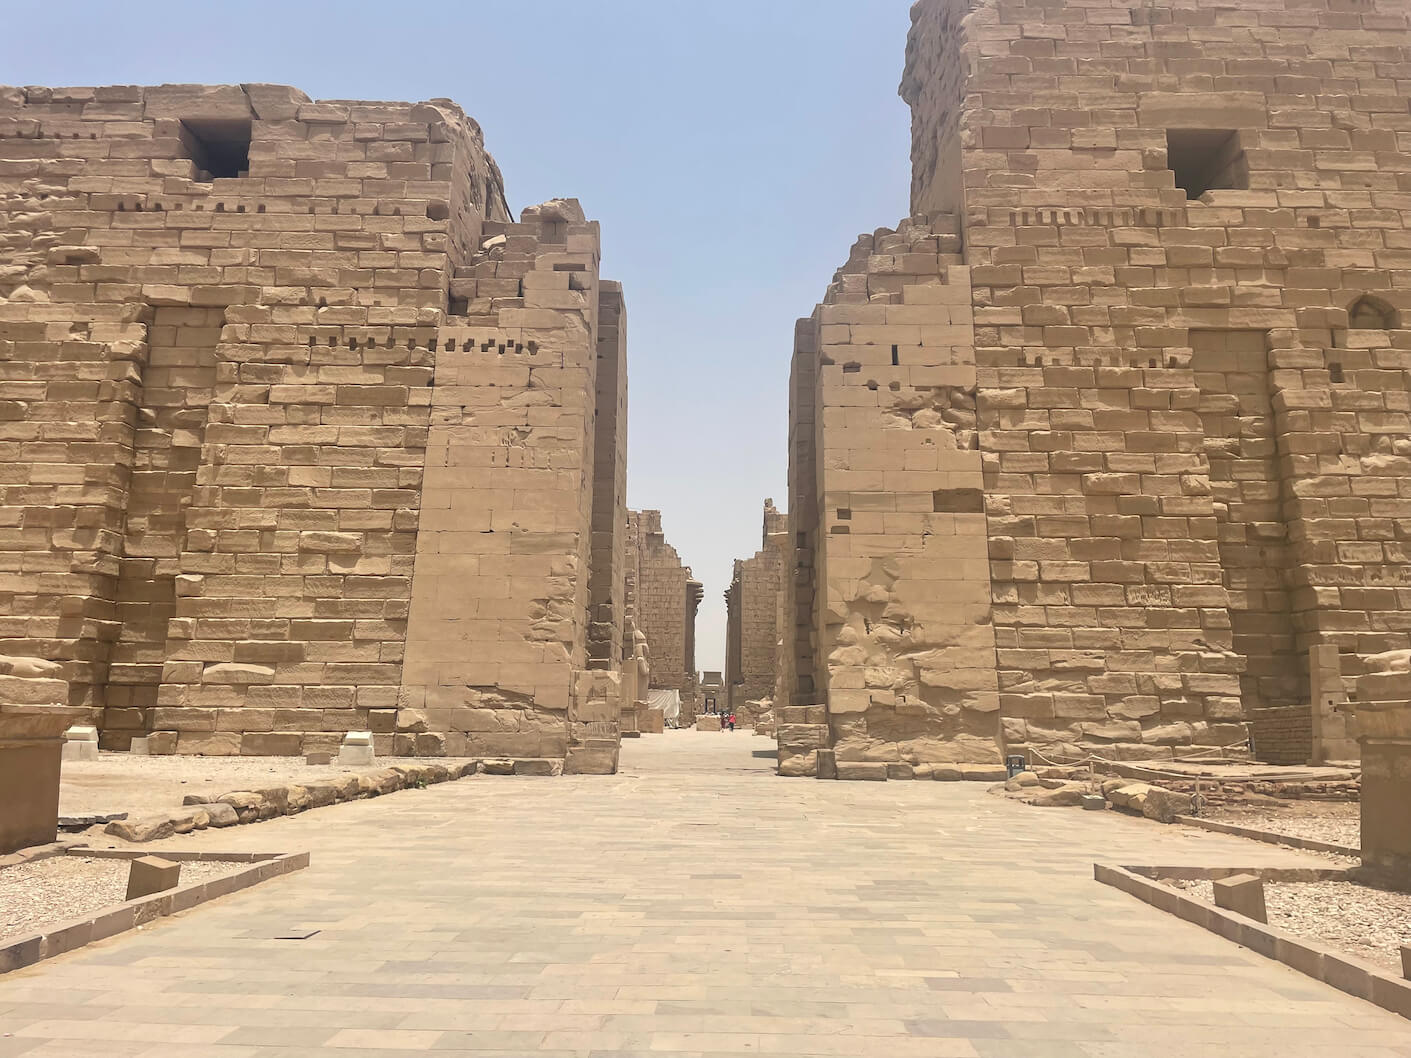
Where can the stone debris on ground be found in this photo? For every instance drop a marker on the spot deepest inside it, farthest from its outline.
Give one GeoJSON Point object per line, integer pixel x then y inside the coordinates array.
{"type": "Point", "coordinates": [1338, 823]}
{"type": "Point", "coordinates": [235, 807]}
{"type": "Point", "coordinates": [121, 782]}
{"type": "Point", "coordinates": [1369, 923]}
{"type": "Point", "coordinates": [48, 891]}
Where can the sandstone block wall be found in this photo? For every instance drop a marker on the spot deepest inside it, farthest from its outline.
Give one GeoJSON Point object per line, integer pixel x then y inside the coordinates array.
{"type": "Point", "coordinates": [278, 374]}
{"type": "Point", "coordinates": [752, 620]}
{"type": "Point", "coordinates": [1183, 231]}
{"type": "Point", "coordinates": [665, 598]}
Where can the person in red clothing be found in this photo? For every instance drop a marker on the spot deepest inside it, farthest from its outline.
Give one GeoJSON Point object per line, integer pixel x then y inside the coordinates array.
{"type": "Point", "coordinates": [732, 721]}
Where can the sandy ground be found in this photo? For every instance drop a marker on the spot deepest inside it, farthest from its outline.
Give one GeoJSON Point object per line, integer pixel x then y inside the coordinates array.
{"type": "Point", "coordinates": [1370, 923]}
{"type": "Point", "coordinates": [1339, 822]}
{"type": "Point", "coordinates": [122, 782]}
{"type": "Point", "coordinates": [44, 892]}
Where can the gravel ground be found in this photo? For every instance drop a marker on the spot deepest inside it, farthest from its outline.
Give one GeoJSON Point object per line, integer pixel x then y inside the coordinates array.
{"type": "Point", "coordinates": [122, 782]}
{"type": "Point", "coordinates": [1370, 923]}
{"type": "Point", "coordinates": [1338, 822]}
{"type": "Point", "coordinates": [44, 892]}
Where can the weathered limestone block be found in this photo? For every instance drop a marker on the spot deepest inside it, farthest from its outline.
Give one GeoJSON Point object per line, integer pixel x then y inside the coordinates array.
{"type": "Point", "coordinates": [1242, 894]}
{"type": "Point", "coordinates": [34, 715]}
{"type": "Point", "coordinates": [1385, 740]}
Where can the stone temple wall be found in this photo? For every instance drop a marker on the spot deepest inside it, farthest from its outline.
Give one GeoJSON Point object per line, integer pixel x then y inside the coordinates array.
{"type": "Point", "coordinates": [752, 620]}
{"type": "Point", "coordinates": [1184, 232]}
{"type": "Point", "coordinates": [665, 599]}
{"type": "Point", "coordinates": [296, 425]}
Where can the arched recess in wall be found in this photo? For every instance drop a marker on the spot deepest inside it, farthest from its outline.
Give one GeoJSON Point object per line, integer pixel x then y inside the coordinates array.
{"type": "Point", "coordinates": [1371, 313]}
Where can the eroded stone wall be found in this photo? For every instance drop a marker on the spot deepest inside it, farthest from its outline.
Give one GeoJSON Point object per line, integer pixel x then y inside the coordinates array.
{"type": "Point", "coordinates": [1184, 226]}
{"type": "Point", "coordinates": [665, 600]}
{"type": "Point", "coordinates": [752, 620]}
{"type": "Point", "coordinates": [258, 354]}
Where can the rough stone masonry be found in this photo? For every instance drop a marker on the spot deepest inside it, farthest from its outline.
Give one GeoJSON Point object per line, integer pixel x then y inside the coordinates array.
{"type": "Point", "coordinates": [302, 433]}
{"type": "Point", "coordinates": [752, 622]}
{"type": "Point", "coordinates": [1090, 451]}
{"type": "Point", "coordinates": [663, 599]}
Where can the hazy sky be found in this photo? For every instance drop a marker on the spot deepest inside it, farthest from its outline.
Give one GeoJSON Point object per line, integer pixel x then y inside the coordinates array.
{"type": "Point", "coordinates": [732, 151]}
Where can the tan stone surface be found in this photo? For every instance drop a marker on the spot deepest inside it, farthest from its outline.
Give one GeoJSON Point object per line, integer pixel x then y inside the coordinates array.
{"type": "Point", "coordinates": [848, 917]}
{"type": "Point", "coordinates": [663, 598]}
{"type": "Point", "coordinates": [1086, 460]}
{"type": "Point", "coordinates": [303, 426]}
{"type": "Point", "coordinates": [752, 605]}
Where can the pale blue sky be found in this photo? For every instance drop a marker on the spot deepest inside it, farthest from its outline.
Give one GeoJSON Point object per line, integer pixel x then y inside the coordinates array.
{"type": "Point", "coordinates": [732, 151]}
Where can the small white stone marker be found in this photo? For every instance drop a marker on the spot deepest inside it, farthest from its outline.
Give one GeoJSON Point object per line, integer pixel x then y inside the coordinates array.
{"type": "Point", "coordinates": [357, 748]}
{"type": "Point", "coordinates": [81, 743]}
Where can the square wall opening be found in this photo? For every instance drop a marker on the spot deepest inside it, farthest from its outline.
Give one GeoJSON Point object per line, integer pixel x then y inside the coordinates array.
{"type": "Point", "coordinates": [1206, 160]}
{"type": "Point", "coordinates": [220, 149]}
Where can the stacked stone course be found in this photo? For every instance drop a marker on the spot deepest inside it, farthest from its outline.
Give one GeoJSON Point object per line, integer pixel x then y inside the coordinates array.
{"type": "Point", "coordinates": [665, 598]}
{"type": "Point", "coordinates": [1183, 427]}
{"type": "Point", "coordinates": [752, 622]}
{"type": "Point", "coordinates": [301, 428]}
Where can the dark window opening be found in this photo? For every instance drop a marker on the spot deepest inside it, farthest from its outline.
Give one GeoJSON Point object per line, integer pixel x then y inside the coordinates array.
{"type": "Point", "coordinates": [1335, 372]}
{"type": "Point", "coordinates": [844, 514]}
{"type": "Point", "coordinates": [458, 306]}
{"type": "Point", "coordinates": [896, 357]}
{"type": "Point", "coordinates": [1369, 313]}
{"type": "Point", "coordinates": [220, 149]}
{"type": "Point", "coordinates": [1206, 160]}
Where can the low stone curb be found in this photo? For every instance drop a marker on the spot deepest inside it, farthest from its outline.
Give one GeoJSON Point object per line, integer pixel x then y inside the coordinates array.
{"type": "Point", "coordinates": [236, 807]}
{"type": "Point", "coordinates": [39, 852]}
{"type": "Point", "coordinates": [1270, 837]}
{"type": "Point", "coordinates": [74, 934]}
{"type": "Point", "coordinates": [1344, 972]}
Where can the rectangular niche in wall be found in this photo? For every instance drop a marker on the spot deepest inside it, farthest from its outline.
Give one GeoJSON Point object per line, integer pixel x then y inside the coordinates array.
{"type": "Point", "coordinates": [220, 149]}
{"type": "Point", "coordinates": [1206, 160]}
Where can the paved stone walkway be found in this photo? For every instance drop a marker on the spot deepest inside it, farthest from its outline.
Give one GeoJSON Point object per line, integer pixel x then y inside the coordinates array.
{"type": "Point", "coordinates": [693, 906]}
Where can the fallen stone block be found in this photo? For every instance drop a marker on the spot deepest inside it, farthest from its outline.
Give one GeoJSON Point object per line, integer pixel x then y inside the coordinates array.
{"type": "Point", "coordinates": [1063, 797]}
{"type": "Point", "coordinates": [276, 802]}
{"type": "Point", "coordinates": [1243, 894]}
{"type": "Point", "coordinates": [151, 874]}
{"type": "Point", "coordinates": [296, 800]}
{"type": "Point", "coordinates": [862, 770]}
{"type": "Point", "coordinates": [984, 773]}
{"type": "Point", "coordinates": [947, 773]}
{"type": "Point", "coordinates": [1094, 803]}
{"type": "Point", "coordinates": [321, 794]}
{"type": "Point", "coordinates": [249, 806]}
{"type": "Point", "coordinates": [798, 765]}
{"type": "Point", "coordinates": [1022, 781]}
{"type": "Point", "coordinates": [1154, 802]}
{"type": "Point", "coordinates": [148, 828]}
{"type": "Point", "coordinates": [900, 770]}
{"type": "Point", "coordinates": [497, 767]}
{"type": "Point", "coordinates": [537, 767]}
{"type": "Point", "coordinates": [222, 815]}
{"type": "Point", "coordinates": [187, 820]}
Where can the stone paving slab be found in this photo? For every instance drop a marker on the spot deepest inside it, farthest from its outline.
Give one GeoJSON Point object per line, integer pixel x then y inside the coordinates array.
{"type": "Point", "coordinates": [694, 905]}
